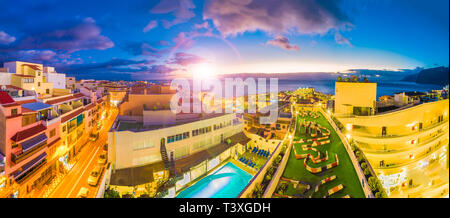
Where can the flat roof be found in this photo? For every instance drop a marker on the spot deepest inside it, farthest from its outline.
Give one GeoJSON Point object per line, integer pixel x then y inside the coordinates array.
{"type": "Point", "coordinates": [125, 125]}
{"type": "Point", "coordinates": [36, 106]}
{"type": "Point", "coordinates": [133, 176]}
{"type": "Point", "coordinates": [64, 99]}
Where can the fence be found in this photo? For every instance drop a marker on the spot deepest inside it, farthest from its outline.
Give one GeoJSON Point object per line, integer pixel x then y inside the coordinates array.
{"type": "Point", "coordinates": [104, 183]}
{"type": "Point", "coordinates": [359, 171]}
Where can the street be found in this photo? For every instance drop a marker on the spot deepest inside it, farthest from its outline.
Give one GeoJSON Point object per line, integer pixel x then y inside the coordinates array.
{"type": "Point", "coordinates": [87, 160]}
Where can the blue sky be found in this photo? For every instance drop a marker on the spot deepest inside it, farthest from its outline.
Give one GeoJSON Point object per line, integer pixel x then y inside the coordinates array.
{"type": "Point", "coordinates": [158, 38]}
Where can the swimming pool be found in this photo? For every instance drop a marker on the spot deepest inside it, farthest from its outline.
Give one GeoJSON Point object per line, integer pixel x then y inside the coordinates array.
{"type": "Point", "coordinates": [227, 182]}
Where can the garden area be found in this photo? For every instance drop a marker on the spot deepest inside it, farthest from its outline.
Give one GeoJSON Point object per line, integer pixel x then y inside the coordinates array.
{"type": "Point", "coordinates": [260, 188]}
{"type": "Point", "coordinates": [318, 165]}
{"type": "Point", "coordinates": [373, 181]}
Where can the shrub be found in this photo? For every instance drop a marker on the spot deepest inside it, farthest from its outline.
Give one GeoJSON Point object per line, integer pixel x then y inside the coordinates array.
{"type": "Point", "coordinates": [381, 194]}
{"type": "Point", "coordinates": [364, 165]}
{"type": "Point", "coordinates": [111, 193]}
{"type": "Point", "coordinates": [373, 183]}
{"type": "Point", "coordinates": [367, 172]}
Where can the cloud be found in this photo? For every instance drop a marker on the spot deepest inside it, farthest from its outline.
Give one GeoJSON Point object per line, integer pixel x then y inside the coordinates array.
{"type": "Point", "coordinates": [341, 39]}
{"type": "Point", "coordinates": [204, 25]}
{"type": "Point", "coordinates": [185, 59]}
{"type": "Point", "coordinates": [235, 17]}
{"type": "Point", "coordinates": [111, 65]}
{"type": "Point", "coordinates": [84, 36]}
{"type": "Point", "coordinates": [29, 55]}
{"type": "Point", "coordinates": [145, 48]}
{"type": "Point", "coordinates": [186, 39]}
{"type": "Point", "coordinates": [183, 40]}
{"type": "Point", "coordinates": [6, 39]}
{"type": "Point", "coordinates": [283, 43]}
{"type": "Point", "coordinates": [151, 25]}
{"type": "Point", "coordinates": [37, 55]}
{"type": "Point", "coordinates": [160, 69]}
{"type": "Point", "coordinates": [181, 9]}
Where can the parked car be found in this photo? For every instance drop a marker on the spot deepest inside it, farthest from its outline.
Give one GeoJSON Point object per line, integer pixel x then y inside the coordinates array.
{"type": "Point", "coordinates": [95, 175]}
{"type": "Point", "coordinates": [102, 158]}
{"type": "Point", "coordinates": [83, 193]}
{"type": "Point", "coordinates": [93, 137]}
{"type": "Point", "coordinates": [105, 147]}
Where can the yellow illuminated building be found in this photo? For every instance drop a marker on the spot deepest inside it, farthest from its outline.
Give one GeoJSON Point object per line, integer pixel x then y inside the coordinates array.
{"type": "Point", "coordinates": [406, 147]}
{"type": "Point", "coordinates": [355, 98]}
{"type": "Point", "coordinates": [29, 76]}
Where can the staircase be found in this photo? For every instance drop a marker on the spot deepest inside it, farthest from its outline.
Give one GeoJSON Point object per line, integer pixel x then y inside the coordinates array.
{"type": "Point", "coordinates": [168, 165]}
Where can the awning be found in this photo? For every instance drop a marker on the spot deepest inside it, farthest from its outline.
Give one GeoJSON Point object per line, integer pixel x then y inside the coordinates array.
{"type": "Point", "coordinates": [29, 165]}
{"type": "Point", "coordinates": [29, 144]}
{"type": "Point", "coordinates": [36, 106]}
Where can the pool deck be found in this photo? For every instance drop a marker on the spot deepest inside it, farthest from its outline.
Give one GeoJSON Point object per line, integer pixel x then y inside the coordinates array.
{"type": "Point", "coordinates": [243, 167]}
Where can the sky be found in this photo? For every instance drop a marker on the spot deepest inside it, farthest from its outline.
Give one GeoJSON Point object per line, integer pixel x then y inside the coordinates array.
{"type": "Point", "coordinates": [152, 39]}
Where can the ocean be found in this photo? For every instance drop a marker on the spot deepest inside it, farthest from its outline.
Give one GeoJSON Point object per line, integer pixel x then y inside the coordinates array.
{"type": "Point", "coordinates": [383, 87]}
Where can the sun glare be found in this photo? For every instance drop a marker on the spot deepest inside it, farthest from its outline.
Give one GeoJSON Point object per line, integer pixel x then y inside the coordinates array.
{"type": "Point", "coordinates": [204, 70]}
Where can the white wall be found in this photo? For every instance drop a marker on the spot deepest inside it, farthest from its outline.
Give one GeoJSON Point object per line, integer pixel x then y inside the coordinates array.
{"type": "Point", "coordinates": [58, 80]}
{"type": "Point", "coordinates": [5, 78]}
{"type": "Point", "coordinates": [123, 144]}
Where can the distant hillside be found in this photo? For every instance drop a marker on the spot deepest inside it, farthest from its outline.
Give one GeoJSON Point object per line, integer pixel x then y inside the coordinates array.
{"type": "Point", "coordinates": [437, 75]}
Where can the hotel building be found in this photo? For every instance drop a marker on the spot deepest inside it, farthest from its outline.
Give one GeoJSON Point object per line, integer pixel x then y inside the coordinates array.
{"type": "Point", "coordinates": [164, 143]}
{"type": "Point", "coordinates": [407, 146]}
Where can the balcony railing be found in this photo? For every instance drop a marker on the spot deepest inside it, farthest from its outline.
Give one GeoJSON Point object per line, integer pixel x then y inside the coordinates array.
{"type": "Point", "coordinates": [30, 172]}
{"type": "Point", "coordinates": [19, 158]}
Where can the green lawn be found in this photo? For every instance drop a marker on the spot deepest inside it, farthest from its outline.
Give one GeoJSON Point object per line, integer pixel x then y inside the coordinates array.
{"type": "Point", "coordinates": [345, 171]}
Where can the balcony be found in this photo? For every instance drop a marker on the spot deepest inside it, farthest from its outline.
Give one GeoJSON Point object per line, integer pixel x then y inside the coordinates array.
{"type": "Point", "coordinates": [29, 168]}
{"type": "Point", "coordinates": [29, 148]}
{"type": "Point", "coordinates": [49, 122]}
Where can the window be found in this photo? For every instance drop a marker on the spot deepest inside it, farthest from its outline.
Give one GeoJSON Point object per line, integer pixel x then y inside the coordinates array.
{"type": "Point", "coordinates": [39, 84]}
{"type": "Point", "coordinates": [52, 133]}
{"type": "Point", "coordinates": [64, 128]}
{"type": "Point", "coordinates": [47, 91]}
{"type": "Point", "coordinates": [14, 111]}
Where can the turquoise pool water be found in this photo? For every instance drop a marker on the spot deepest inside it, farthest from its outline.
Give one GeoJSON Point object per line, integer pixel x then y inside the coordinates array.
{"type": "Point", "coordinates": [227, 182]}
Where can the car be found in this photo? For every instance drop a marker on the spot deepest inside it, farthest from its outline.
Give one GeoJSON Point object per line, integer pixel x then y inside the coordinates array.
{"type": "Point", "coordinates": [83, 193]}
{"type": "Point", "coordinates": [95, 175]}
{"type": "Point", "coordinates": [102, 158]}
{"type": "Point", "coordinates": [105, 147]}
{"type": "Point", "coordinates": [93, 137]}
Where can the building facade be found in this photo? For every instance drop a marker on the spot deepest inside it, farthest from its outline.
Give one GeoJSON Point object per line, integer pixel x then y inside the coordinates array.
{"type": "Point", "coordinates": [407, 148]}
